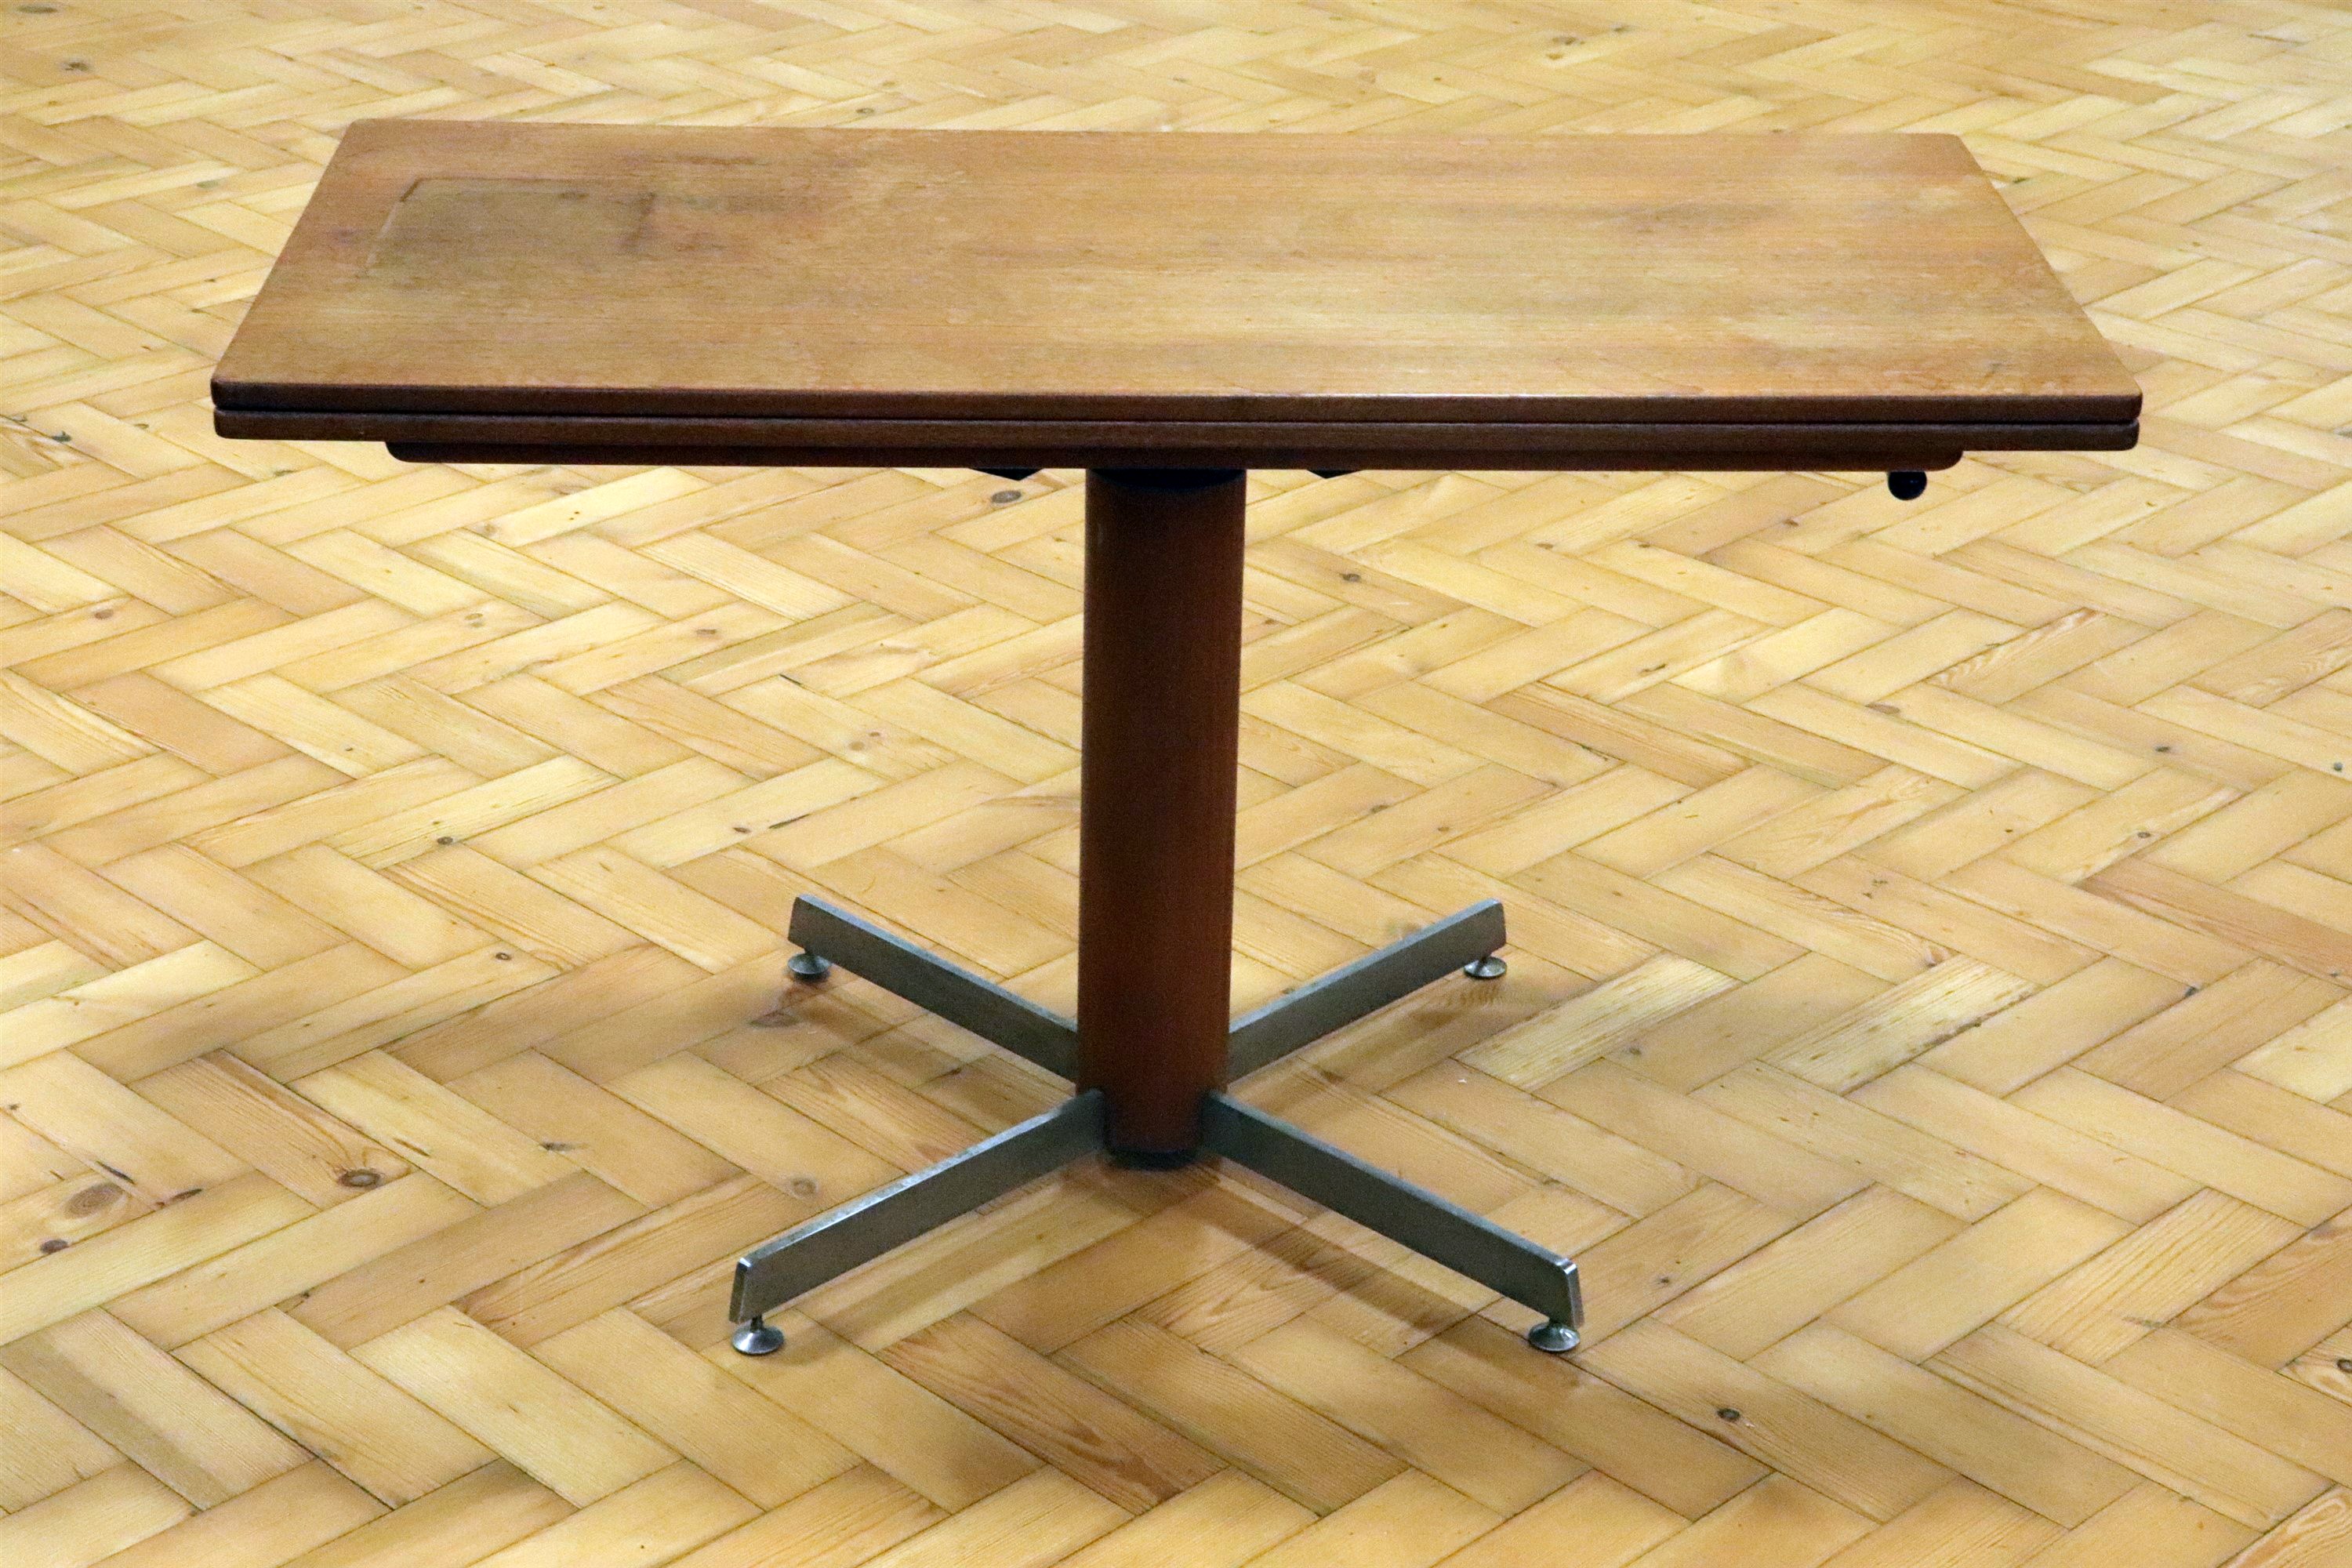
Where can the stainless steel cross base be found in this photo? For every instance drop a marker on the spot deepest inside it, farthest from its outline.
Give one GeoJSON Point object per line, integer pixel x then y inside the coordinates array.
{"type": "Point", "coordinates": [857, 1232]}
{"type": "Point", "coordinates": [834, 1243]}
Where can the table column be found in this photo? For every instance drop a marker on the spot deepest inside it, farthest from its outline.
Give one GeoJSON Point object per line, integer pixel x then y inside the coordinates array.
{"type": "Point", "coordinates": [1162, 712]}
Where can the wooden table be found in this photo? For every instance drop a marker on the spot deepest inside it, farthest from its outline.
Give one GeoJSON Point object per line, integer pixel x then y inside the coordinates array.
{"type": "Point", "coordinates": [1166, 311]}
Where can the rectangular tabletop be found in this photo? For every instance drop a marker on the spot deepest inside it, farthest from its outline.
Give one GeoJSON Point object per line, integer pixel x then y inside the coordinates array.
{"type": "Point", "coordinates": [1003, 298]}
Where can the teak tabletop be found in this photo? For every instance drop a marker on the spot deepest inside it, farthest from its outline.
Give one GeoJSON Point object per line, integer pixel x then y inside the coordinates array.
{"type": "Point", "coordinates": [1027, 299]}
{"type": "Point", "coordinates": [1167, 311]}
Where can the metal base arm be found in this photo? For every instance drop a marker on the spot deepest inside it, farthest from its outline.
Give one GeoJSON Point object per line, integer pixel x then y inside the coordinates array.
{"type": "Point", "coordinates": [888, 1217]}
{"type": "Point", "coordinates": [1465, 941]}
{"type": "Point", "coordinates": [1469, 1245]}
{"type": "Point", "coordinates": [932, 983]}
{"type": "Point", "coordinates": [1358, 990]}
{"type": "Point", "coordinates": [891, 1215]}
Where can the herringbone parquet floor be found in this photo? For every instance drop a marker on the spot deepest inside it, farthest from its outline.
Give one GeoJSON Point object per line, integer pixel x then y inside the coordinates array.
{"type": "Point", "coordinates": [1931, 925]}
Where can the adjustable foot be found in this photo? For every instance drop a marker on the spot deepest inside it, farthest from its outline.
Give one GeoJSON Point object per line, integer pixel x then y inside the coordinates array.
{"type": "Point", "coordinates": [1908, 485]}
{"type": "Point", "coordinates": [1554, 1336]}
{"type": "Point", "coordinates": [807, 967]}
{"type": "Point", "coordinates": [1486, 968]}
{"type": "Point", "coordinates": [758, 1337]}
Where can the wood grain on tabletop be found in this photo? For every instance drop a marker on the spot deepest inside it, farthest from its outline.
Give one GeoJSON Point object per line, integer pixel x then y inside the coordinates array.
{"type": "Point", "coordinates": [648, 270]}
